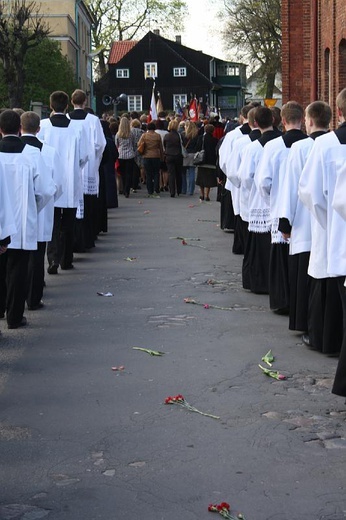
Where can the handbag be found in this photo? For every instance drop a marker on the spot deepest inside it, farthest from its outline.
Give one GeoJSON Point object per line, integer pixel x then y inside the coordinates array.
{"type": "Point", "coordinates": [141, 147]}
{"type": "Point", "coordinates": [199, 157]}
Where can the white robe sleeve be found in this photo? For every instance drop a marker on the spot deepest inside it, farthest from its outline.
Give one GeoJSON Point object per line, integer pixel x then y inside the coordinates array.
{"type": "Point", "coordinates": [312, 186]}
{"type": "Point", "coordinates": [339, 200]}
{"type": "Point", "coordinates": [7, 220]}
{"type": "Point", "coordinates": [44, 185]}
{"type": "Point", "coordinates": [264, 173]}
{"type": "Point", "coordinates": [289, 187]}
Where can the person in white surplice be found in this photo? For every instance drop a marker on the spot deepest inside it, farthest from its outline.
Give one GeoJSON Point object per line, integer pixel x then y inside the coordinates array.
{"type": "Point", "coordinates": [90, 172]}
{"type": "Point", "coordinates": [324, 166]}
{"type": "Point", "coordinates": [21, 168]}
{"type": "Point", "coordinates": [71, 143]}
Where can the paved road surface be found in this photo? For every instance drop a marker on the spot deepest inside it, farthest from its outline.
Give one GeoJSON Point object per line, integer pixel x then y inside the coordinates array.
{"type": "Point", "coordinates": [79, 441]}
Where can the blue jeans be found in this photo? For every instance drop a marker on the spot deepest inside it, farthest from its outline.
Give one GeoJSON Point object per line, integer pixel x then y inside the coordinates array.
{"type": "Point", "coordinates": [152, 170]}
{"type": "Point", "coordinates": [190, 176]}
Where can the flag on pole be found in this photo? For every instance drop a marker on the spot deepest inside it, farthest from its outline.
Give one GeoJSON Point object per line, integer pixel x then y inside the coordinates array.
{"type": "Point", "coordinates": [178, 109]}
{"type": "Point", "coordinates": [152, 109]}
{"type": "Point", "coordinates": [159, 105]}
{"type": "Point", "coordinates": [193, 113]}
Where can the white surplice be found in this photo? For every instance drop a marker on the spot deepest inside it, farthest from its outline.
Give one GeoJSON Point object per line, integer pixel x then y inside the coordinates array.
{"type": "Point", "coordinates": [326, 162]}
{"type": "Point", "coordinates": [270, 171]}
{"type": "Point", "coordinates": [29, 190]}
{"type": "Point", "coordinates": [96, 143]}
{"type": "Point", "coordinates": [339, 200]}
{"type": "Point", "coordinates": [291, 207]}
{"type": "Point", "coordinates": [233, 166]}
{"type": "Point", "coordinates": [71, 144]}
{"type": "Point", "coordinates": [7, 221]}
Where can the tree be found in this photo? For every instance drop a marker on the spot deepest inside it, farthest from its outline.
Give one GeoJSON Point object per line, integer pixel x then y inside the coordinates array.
{"type": "Point", "coordinates": [21, 29]}
{"type": "Point", "coordinates": [46, 70]}
{"type": "Point", "coordinates": [126, 20]}
{"type": "Point", "coordinates": [254, 29]}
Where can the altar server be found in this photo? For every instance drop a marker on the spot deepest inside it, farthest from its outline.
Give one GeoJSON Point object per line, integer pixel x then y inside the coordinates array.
{"type": "Point", "coordinates": [225, 158]}
{"type": "Point", "coordinates": [271, 172]}
{"type": "Point", "coordinates": [325, 164]}
{"type": "Point", "coordinates": [308, 294]}
{"type": "Point", "coordinates": [71, 143]}
{"type": "Point", "coordinates": [30, 122]}
{"type": "Point", "coordinates": [90, 172]}
{"type": "Point", "coordinates": [253, 207]}
{"type": "Point", "coordinates": [21, 169]}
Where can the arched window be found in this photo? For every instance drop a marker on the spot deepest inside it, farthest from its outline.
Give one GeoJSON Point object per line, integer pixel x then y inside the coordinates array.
{"type": "Point", "coordinates": [342, 64]}
{"type": "Point", "coordinates": [327, 77]}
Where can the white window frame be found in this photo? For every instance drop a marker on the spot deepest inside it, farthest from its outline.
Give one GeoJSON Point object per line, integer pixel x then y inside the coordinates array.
{"type": "Point", "coordinates": [134, 103]}
{"type": "Point", "coordinates": [181, 99]}
{"type": "Point", "coordinates": [150, 69]}
{"type": "Point", "coordinates": [179, 72]}
{"type": "Point", "coordinates": [123, 73]}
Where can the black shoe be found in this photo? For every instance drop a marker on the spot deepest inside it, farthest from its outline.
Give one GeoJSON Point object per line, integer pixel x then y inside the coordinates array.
{"type": "Point", "coordinates": [172, 195]}
{"type": "Point", "coordinates": [306, 340]}
{"type": "Point", "coordinates": [22, 323]}
{"type": "Point", "coordinates": [36, 307]}
{"type": "Point", "coordinates": [2, 315]}
{"type": "Point", "coordinates": [207, 199]}
{"type": "Point", "coordinates": [53, 268]}
{"type": "Point", "coordinates": [67, 267]}
{"type": "Point", "coordinates": [282, 312]}
{"type": "Point", "coordinates": [201, 197]}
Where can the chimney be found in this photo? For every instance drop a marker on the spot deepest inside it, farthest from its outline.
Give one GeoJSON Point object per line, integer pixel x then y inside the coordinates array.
{"type": "Point", "coordinates": [178, 39]}
{"type": "Point", "coordinates": [157, 32]}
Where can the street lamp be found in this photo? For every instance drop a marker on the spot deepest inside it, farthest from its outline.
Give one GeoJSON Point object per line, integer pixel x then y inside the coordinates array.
{"type": "Point", "coordinates": [108, 100]}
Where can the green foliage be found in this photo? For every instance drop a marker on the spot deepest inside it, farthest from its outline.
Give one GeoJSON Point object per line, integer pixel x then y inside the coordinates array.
{"type": "Point", "coordinates": [253, 29]}
{"type": "Point", "coordinates": [46, 70]}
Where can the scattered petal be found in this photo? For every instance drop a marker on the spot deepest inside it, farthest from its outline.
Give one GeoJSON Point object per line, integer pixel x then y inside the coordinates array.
{"type": "Point", "coordinates": [107, 294]}
{"type": "Point", "coordinates": [147, 212]}
{"type": "Point", "coordinates": [130, 259]}
{"type": "Point", "coordinates": [118, 369]}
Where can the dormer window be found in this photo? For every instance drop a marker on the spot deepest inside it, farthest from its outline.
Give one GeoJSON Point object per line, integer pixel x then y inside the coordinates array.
{"type": "Point", "coordinates": [179, 71]}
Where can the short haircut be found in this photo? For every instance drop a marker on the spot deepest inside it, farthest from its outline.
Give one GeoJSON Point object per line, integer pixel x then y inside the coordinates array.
{"type": "Point", "coordinates": [9, 122]}
{"type": "Point", "coordinates": [173, 125]}
{"type": "Point", "coordinates": [58, 101]}
{"type": "Point", "coordinates": [78, 97]}
{"type": "Point", "coordinates": [209, 129]}
{"type": "Point", "coordinates": [263, 117]}
{"type": "Point", "coordinates": [276, 111]}
{"type": "Point", "coordinates": [246, 109]}
{"type": "Point", "coordinates": [251, 116]}
{"type": "Point", "coordinates": [341, 101]}
{"type": "Point", "coordinates": [30, 122]}
{"type": "Point", "coordinates": [151, 126]}
{"type": "Point", "coordinates": [292, 112]}
{"type": "Point", "coordinates": [320, 112]}
{"type": "Point", "coordinates": [134, 115]}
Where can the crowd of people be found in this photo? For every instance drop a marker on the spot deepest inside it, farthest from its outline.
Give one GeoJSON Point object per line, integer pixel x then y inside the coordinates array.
{"type": "Point", "coordinates": [279, 178]}
{"type": "Point", "coordinates": [283, 181]}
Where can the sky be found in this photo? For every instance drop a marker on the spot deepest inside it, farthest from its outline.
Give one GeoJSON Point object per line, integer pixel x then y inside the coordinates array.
{"type": "Point", "coordinates": [203, 27]}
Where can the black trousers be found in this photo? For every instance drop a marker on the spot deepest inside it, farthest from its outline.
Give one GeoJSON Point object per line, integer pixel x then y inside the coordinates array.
{"type": "Point", "coordinates": [127, 168]}
{"type": "Point", "coordinates": [339, 386]}
{"type": "Point", "coordinates": [13, 273]}
{"type": "Point", "coordinates": [279, 291]}
{"type": "Point", "coordinates": [175, 172]}
{"type": "Point", "coordinates": [35, 280]}
{"type": "Point", "coordinates": [90, 220]}
{"type": "Point", "coordinates": [60, 248]}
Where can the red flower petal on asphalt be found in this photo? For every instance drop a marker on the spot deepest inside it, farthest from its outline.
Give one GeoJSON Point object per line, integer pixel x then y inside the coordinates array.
{"type": "Point", "coordinates": [206, 306]}
{"type": "Point", "coordinates": [184, 243]}
{"type": "Point", "coordinates": [224, 505]}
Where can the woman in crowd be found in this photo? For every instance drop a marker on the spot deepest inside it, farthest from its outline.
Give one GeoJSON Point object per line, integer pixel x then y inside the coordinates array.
{"type": "Point", "coordinates": [151, 144]}
{"type": "Point", "coordinates": [191, 142]}
{"type": "Point", "coordinates": [172, 145]}
{"type": "Point", "coordinates": [126, 144]}
{"type": "Point", "coordinates": [161, 126]}
{"type": "Point", "coordinates": [206, 172]}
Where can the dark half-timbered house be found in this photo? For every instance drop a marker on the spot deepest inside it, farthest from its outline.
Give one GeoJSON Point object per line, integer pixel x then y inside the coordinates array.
{"type": "Point", "coordinates": [178, 72]}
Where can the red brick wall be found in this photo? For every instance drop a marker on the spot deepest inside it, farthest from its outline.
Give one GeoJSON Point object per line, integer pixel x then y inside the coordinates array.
{"type": "Point", "coordinates": [298, 77]}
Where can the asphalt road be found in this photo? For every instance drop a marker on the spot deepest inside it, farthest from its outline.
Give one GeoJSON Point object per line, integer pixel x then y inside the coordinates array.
{"type": "Point", "coordinates": [80, 441]}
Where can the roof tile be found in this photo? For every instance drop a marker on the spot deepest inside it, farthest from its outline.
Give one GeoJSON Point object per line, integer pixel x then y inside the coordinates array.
{"type": "Point", "coordinates": [119, 50]}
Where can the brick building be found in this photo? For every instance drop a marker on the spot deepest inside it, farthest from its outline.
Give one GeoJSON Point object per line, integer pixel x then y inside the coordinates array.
{"type": "Point", "coordinates": [313, 50]}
